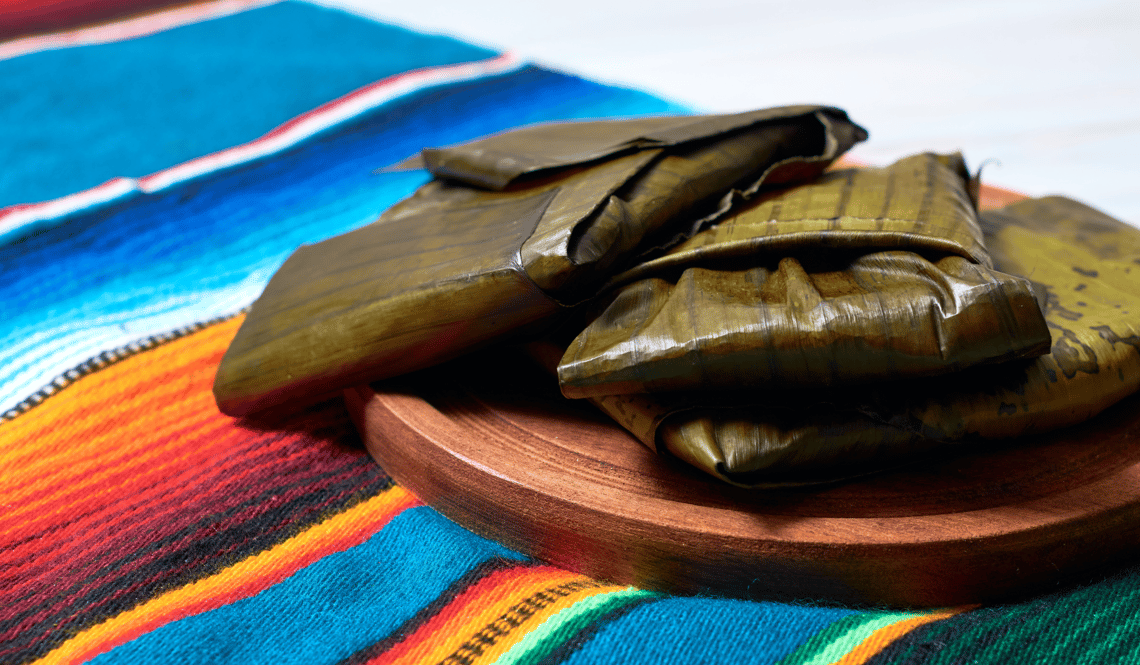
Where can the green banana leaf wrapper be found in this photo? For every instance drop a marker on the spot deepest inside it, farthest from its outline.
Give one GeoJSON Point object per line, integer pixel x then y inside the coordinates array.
{"type": "Point", "coordinates": [861, 275]}
{"type": "Point", "coordinates": [515, 228]}
{"type": "Point", "coordinates": [1086, 262]}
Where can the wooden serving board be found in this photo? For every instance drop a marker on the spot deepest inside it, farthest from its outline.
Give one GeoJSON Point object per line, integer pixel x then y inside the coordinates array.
{"type": "Point", "coordinates": [505, 455]}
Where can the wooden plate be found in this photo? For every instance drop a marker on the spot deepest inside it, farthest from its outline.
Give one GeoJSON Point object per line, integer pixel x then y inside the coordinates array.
{"type": "Point", "coordinates": [506, 456]}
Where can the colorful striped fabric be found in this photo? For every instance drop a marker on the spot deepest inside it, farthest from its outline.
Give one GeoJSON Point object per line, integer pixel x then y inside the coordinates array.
{"type": "Point", "coordinates": [156, 172]}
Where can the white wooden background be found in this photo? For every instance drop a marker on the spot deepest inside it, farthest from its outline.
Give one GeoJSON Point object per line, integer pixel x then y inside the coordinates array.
{"type": "Point", "coordinates": [1048, 88]}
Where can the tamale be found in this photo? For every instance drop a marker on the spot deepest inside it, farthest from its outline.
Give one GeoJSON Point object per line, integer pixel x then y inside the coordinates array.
{"type": "Point", "coordinates": [1085, 261]}
{"type": "Point", "coordinates": [861, 275]}
{"type": "Point", "coordinates": [514, 228]}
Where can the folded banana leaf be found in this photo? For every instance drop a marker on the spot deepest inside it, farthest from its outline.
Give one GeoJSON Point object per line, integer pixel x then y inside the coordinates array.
{"type": "Point", "coordinates": [515, 228]}
{"type": "Point", "coordinates": [861, 275]}
{"type": "Point", "coordinates": [1085, 261]}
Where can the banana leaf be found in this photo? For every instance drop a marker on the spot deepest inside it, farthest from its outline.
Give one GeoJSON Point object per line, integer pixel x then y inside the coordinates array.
{"type": "Point", "coordinates": [514, 229]}
{"type": "Point", "coordinates": [859, 276]}
{"type": "Point", "coordinates": [1085, 261]}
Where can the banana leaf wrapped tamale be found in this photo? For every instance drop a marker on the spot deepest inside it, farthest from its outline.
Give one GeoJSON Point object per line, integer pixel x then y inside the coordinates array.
{"type": "Point", "coordinates": [861, 275]}
{"type": "Point", "coordinates": [515, 227]}
{"type": "Point", "coordinates": [1085, 261]}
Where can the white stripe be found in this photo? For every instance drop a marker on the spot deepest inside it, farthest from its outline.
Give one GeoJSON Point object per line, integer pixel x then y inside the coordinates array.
{"type": "Point", "coordinates": [16, 217]}
{"type": "Point", "coordinates": [29, 363]}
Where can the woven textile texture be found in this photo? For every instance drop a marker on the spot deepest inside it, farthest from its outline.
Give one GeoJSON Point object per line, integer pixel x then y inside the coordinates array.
{"type": "Point", "coordinates": [156, 171]}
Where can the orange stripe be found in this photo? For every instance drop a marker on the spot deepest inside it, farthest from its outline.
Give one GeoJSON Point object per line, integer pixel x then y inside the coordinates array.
{"type": "Point", "coordinates": [190, 434]}
{"type": "Point", "coordinates": [117, 396]}
{"type": "Point", "coordinates": [878, 640]}
{"type": "Point", "coordinates": [145, 491]}
{"type": "Point", "coordinates": [475, 609]}
{"type": "Point", "coordinates": [242, 580]}
{"type": "Point", "coordinates": [166, 488]}
{"type": "Point", "coordinates": [191, 424]}
{"type": "Point", "coordinates": [69, 491]}
{"type": "Point", "coordinates": [45, 435]}
{"type": "Point", "coordinates": [140, 437]}
{"type": "Point", "coordinates": [197, 439]}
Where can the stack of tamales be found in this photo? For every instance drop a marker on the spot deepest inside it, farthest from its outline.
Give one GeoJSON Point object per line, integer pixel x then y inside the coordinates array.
{"type": "Point", "coordinates": [721, 293]}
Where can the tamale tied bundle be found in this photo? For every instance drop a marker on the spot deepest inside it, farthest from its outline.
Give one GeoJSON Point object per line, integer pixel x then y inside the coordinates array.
{"type": "Point", "coordinates": [1084, 260]}
{"type": "Point", "coordinates": [861, 275]}
{"type": "Point", "coordinates": [515, 228]}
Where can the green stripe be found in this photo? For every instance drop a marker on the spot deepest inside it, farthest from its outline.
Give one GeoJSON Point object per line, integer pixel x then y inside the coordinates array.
{"type": "Point", "coordinates": [841, 637]}
{"type": "Point", "coordinates": [1093, 624]}
{"type": "Point", "coordinates": [1116, 642]}
{"type": "Point", "coordinates": [1080, 626]}
{"type": "Point", "coordinates": [566, 624]}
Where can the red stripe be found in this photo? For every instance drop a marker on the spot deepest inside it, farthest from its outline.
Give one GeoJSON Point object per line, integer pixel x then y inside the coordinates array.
{"type": "Point", "coordinates": [121, 472]}
{"type": "Point", "coordinates": [124, 546]}
{"type": "Point", "coordinates": [135, 564]}
{"type": "Point", "coordinates": [248, 582]}
{"type": "Point", "coordinates": [395, 79]}
{"type": "Point", "coordinates": [119, 509]}
{"type": "Point", "coordinates": [179, 508]}
{"type": "Point", "coordinates": [174, 489]}
{"type": "Point", "coordinates": [27, 17]}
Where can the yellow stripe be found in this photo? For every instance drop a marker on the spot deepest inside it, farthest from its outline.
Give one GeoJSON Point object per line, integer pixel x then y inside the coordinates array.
{"type": "Point", "coordinates": [70, 486]}
{"type": "Point", "coordinates": [52, 446]}
{"type": "Point", "coordinates": [335, 534]}
{"type": "Point", "coordinates": [45, 436]}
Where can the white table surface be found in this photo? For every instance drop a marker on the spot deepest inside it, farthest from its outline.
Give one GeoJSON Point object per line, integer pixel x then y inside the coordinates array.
{"type": "Point", "coordinates": [1050, 89]}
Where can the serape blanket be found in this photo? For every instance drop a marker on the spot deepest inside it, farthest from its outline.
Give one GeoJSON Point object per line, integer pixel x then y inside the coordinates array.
{"type": "Point", "coordinates": [154, 172]}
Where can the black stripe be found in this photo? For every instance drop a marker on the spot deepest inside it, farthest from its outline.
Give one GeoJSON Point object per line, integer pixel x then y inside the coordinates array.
{"type": "Point", "coordinates": [512, 619]}
{"type": "Point", "coordinates": [453, 591]}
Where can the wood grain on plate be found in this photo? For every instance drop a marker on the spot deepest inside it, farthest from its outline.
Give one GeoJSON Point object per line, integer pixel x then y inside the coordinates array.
{"type": "Point", "coordinates": [489, 441]}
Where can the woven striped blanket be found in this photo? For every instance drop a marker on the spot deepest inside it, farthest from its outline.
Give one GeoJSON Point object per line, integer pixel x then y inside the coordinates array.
{"type": "Point", "coordinates": [154, 173]}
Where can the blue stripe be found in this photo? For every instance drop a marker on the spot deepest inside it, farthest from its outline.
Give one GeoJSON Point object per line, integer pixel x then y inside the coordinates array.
{"type": "Point", "coordinates": [73, 118]}
{"type": "Point", "coordinates": [705, 630]}
{"type": "Point", "coordinates": [206, 247]}
{"type": "Point", "coordinates": [331, 609]}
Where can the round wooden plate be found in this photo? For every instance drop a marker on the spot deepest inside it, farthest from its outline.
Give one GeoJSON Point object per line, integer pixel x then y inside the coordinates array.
{"type": "Point", "coordinates": [505, 455]}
